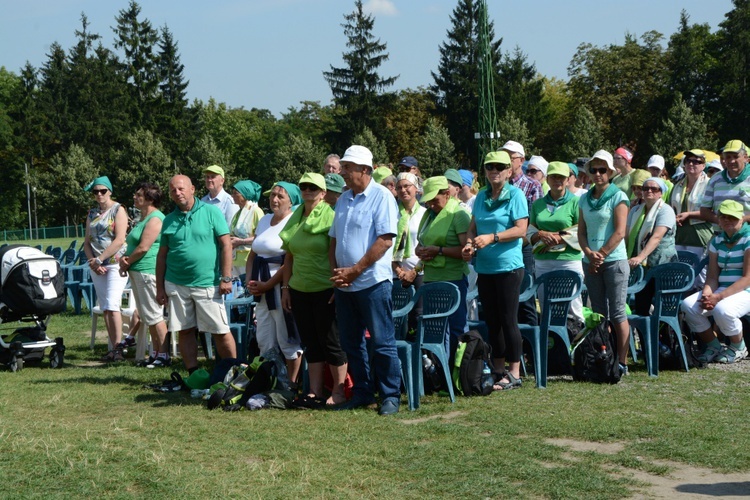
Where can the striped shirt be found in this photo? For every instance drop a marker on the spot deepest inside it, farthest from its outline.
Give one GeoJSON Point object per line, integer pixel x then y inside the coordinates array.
{"type": "Point", "coordinates": [719, 190]}
{"type": "Point", "coordinates": [730, 260]}
{"type": "Point", "coordinates": [531, 188]}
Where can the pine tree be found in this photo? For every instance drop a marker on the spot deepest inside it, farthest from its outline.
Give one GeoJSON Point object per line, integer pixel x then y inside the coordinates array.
{"type": "Point", "coordinates": [138, 39]}
{"type": "Point", "coordinates": [296, 156]}
{"type": "Point", "coordinates": [584, 135]}
{"type": "Point", "coordinates": [172, 119]}
{"type": "Point", "coordinates": [456, 84]}
{"type": "Point", "coordinates": [357, 87]}
{"type": "Point", "coordinates": [377, 147]}
{"type": "Point", "coordinates": [436, 151]}
{"type": "Point", "coordinates": [514, 128]}
{"type": "Point", "coordinates": [733, 43]}
{"type": "Point", "coordinates": [521, 91]}
{"type": "Point", "coordinates": [680, 130]}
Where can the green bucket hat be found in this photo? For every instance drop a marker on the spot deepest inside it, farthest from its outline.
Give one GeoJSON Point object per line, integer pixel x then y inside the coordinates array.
{"type": "Point", "coordinates": [433, 186]}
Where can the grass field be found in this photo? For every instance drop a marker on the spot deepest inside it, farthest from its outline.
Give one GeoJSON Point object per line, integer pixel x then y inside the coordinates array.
{"type": "Point", "coordinates": [92, 430]}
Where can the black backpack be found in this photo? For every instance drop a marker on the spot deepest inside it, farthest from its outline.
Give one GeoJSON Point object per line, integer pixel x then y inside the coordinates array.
{"type": "Point", "coordinates": [594, 357]}
{"type": "Point", "coordinates": [671, 357]}
{"type": "Point", "coordinates": [472, 369]}
{"type": "Point", "coordinates": [433, 379]}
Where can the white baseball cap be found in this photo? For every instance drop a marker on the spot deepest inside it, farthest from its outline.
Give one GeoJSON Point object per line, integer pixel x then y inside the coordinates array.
{"type": "Point", "coordinates": [514, 147]}
{"type": "Point", "coordinates": [656, 161]}
{"type": "Point", "coordinates": [359, 155]}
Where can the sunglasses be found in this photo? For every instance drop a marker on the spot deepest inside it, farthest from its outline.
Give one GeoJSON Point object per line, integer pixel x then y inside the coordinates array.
{"type": "Point", "coordinates": [532, 171]}
{"type": "Point", "coordinates": [308, 187]}
{"type": "Point", "coordinates": [694, 161]}
{"type": "Point", "coordinates": [489, 167]}
{"type": "Point", "coordinates": [404, 168]}
{"type": "Point", "coordinates": [99, 191]}
{"type": "Point", "coordinates": [600, 170]}
{"type": "Point", "coordinates": [651, 189]}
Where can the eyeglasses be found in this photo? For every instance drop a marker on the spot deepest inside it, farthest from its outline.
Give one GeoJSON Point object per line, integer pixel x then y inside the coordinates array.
{"type": "Point", "coordinates": [532, 171]}
{"type": "Point", "coordinates": [308, 187]}
{"type": "Point", "coordinates": [600, 170]}
{"type": "Point", "coordinates": [99, 191]}
{"type": "Point", "coordinates": [489, 167]}
{"type": "Point", "coordinates": [694, 161]}
{"type": "Point", "coordinates": [651, 189]}
{"type": "Point", "coordinates": [518, 157]}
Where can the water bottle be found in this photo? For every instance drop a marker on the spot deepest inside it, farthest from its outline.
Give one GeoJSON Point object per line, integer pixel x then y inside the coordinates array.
{"type": "Point", "coordinates": [427, 364]}
{"type": "Point", "coordinates": [603, 354]}
{"type": "Point", "coordinates": [488, 381]}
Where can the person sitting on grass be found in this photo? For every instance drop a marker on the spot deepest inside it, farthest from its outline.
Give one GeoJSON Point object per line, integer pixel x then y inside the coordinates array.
{"type": "Point", "coordinates": [726, 294]}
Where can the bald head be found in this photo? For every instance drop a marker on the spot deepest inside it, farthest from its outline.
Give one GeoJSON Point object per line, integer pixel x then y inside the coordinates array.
{"type": "Point", "coordinates": [182, 191]}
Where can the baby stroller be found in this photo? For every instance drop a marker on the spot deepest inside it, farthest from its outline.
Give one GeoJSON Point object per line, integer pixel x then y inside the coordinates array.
{"type": "Point", "coordinates": [32, 288]}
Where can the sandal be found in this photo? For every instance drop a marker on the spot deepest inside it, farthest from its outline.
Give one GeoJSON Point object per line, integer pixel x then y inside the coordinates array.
{"type": "Point", "coordinates": [731, 354]}
{"type": "Point", "coordinates": [113, 355]}
{"type": "Point", "coordinates": [512, 383]}
{"type": "Point", "coordinates": [709, 355]}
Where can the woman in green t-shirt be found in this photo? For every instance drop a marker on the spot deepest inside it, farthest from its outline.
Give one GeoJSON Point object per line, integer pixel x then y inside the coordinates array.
{"type": "Point", "coordinates": [554, 214]}
{"type": "Point", "coordinates": [442, 236]}
{"type": "Point", "coordinates": [307, 291]}
{"type": "Point", "coordinates": [140, 263]}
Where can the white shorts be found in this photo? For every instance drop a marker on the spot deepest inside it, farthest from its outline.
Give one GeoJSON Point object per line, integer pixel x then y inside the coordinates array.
{"type": "Point", "coordinates": [144, 290]}
{"type": "Point", "coordinates": [196, 306]}
{"type": "Point", "coordinates": [109, 288]}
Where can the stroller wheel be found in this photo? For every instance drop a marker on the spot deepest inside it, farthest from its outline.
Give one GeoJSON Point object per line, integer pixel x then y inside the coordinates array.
{"type": "Point", "coordinates": [55, 358]}
{"type": "Point", "coordinates": [16, 364]}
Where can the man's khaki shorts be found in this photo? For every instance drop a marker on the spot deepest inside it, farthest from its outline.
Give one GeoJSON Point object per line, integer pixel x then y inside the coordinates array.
{"type": "Point", "coordinates": [195, 306]}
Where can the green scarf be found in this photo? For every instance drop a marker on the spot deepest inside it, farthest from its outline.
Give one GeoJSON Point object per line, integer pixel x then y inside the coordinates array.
{"type": "Point", "coordinates": [743, 175]}
{"type": "Point", "coordinates": [558, 203]}
{"type": "Point", "coordinates": [433, 229]}
{"type": "Point", "coordinates": [744, 231]}
{"type": "Point", "coordinates": [608, 193]}
{"type": "Point", "coordinates": [403, 235]}
{"type": "Point", "coordinates": [319, 221]}
{"type": "Point", "coordinates": [633, 234]}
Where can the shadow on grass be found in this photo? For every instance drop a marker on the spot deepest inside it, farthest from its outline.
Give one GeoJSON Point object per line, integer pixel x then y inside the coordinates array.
{"type": "Point", "coordinates": [716, 489]}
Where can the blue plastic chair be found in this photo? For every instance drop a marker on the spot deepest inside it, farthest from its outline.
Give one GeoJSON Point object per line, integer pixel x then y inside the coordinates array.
{"type": "Point", "coordinates": [440, 299]}
{"type": "Point", "coordinates": [402, 299]}
{"type": "Point", "coordinates": [636, 283]}
{"type": "Point", "coordinates": [688, 258]}
{"type": "Point", "coordinates": [240, 330]}
{"type": "Point", "coordinates": [528, 290]}
{"type": "Point", "coordinates": [560, 288]}
{"type": "Point", "coordinates": [67, 257]}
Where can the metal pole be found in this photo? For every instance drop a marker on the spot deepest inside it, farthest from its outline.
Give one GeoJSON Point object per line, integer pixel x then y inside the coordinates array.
{"type": "Point", "coordinates": [36, 220]}
{"type": "Point", "coordinates": [28, 194]}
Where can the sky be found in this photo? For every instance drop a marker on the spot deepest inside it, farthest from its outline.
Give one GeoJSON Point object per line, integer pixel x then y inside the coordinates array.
{"type": "Point", "coordinates": [271, 54]}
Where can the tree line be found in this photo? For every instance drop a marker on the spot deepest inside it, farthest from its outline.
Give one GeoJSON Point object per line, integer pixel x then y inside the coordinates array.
{"type": "Point", "coordinates": [123, 111]}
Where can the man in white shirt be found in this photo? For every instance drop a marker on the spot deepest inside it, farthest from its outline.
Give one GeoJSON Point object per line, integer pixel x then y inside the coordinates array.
{"type": "Point", "coordinates": [214, 178]}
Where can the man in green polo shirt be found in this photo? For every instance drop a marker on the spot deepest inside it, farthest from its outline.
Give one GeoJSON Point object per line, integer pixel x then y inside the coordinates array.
{"type": "Point", "coordinates": [195, 247]}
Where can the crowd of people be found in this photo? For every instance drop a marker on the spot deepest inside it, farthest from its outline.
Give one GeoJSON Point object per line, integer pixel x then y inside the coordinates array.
{"type": "Point", "coordinates": [322, 263]}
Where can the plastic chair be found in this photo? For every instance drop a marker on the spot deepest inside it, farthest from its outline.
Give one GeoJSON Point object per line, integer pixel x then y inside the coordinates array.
{"type": "Point", "coordinates": [439, 300]}
{"type": "Point", "coordinates": [560, 288]}
{"type": "Point", "coordinates": [56, 252]}
{"type": "Point", "coordinates": [688, 258]}
{"type": "Point", "coordinates": [528, 290]}
{"type": "Point", "coordinates": [67, 257]}
{"type": "Point", "coordinates": [127, 309]}
{"type": "Point", "coordinates": [476, 323]}
{"type": "Point", "coordinates": [240, 330]}
{"type": "Point", "coordinates": [636, 283]}
{"type": "Point", "coordinates": [73, 245]}
{"type": "Point", "coordinates": [402, 299]}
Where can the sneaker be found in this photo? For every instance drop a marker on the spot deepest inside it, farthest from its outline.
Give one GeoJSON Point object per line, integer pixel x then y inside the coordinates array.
{"type": "Point", "coordinates": [128, 341]}
{"type": "Point", "coordinates": [710, 354]}
{"type": "Point", "coordinates": [731, 354]}
{"type": "Point", "coordinates": [160, 362]}
{"type": "Point", "coordinates": [623, 370]}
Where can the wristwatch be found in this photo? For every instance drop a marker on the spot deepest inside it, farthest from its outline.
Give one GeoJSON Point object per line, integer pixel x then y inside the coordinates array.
{"type": "Point", "coordinates": [495, 238]}
{"type": "Point", "coordinates": [226, 279]}
{"type": "Point", "coordinates": [440, 250]}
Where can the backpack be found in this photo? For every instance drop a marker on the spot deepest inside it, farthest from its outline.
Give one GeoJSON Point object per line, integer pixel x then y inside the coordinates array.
{"type": "Point", "coordinates": [472, 368]}
{"type": "Point", "coordinates": [671, 358]}
{"type": "Point", "coordinates": [259, 376]}
{"type": "Point", "coordinates": [594, 356]}
{"type": "Point", "coordinates": [432, 373]}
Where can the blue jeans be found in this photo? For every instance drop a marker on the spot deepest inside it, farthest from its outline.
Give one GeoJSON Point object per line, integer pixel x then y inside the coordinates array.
{"type": "Point", "coordinates": [370, 308]}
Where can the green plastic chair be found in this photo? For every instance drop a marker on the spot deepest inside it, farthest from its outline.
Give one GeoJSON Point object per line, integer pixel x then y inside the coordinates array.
{"type": "Point", "coordinates": [402, 299]}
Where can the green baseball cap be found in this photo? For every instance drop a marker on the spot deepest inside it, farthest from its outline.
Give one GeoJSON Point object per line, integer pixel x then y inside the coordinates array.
{"type": "Point", "coordinates": [497, 157]}
{"type": "Point", "coordinates": [314, 179]}
{"type": "Point", "coordinates": [558, 168]}
{"type": "Point", "coordinates": [433, 186]}
{"type": "Point", "coordinates": [731, 208]}
{"type": "Point", "coordinates": [452, 175]}
{"type": "Point", "coordinates": [214, 169]}
{"type": "Point", "coordinates": [734, 146]}
{"type": "Point", "coordinates": [335, 183]}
